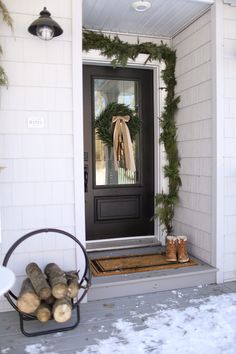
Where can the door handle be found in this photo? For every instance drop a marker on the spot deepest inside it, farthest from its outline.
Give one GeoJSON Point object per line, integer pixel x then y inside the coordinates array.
{"type": "Point", "coordinates": [86, 178]}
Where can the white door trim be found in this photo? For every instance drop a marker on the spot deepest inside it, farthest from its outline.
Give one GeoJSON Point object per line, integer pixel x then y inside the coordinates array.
{"type": "Point", "coordinates": [77, 96]}
{"type": "Point", "coordinates": [218, 138]}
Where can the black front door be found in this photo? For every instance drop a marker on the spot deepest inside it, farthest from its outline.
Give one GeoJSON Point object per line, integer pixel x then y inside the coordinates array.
{"type": "Point", "coordinates": [118, 203]}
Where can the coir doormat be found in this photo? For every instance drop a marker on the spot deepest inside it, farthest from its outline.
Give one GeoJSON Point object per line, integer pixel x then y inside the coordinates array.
{"type": "Point", "coordinates": [133, 264]}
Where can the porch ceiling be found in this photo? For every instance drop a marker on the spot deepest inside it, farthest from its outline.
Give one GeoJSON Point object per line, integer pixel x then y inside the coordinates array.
{"type": "Point", "coordinates": [165, 18]}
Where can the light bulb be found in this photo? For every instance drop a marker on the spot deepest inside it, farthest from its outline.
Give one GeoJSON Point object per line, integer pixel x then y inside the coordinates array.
{"type": "Point", "coordinates": [45, 32]}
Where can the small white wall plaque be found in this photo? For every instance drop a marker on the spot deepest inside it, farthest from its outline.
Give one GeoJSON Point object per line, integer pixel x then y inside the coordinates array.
{"type": "Point", "coordinates": [35, 122]}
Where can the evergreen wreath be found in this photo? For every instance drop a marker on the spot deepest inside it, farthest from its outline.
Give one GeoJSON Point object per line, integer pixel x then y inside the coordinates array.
{"type": "Point", "coordinates": [104, 127]}
{"type": "Point", "coordinates": [119, 52]}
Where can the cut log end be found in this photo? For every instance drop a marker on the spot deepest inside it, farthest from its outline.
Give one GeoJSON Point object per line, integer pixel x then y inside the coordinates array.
{"type": "Point", "coordinates": [59, 290]}
{"type": "Point", "coordinates": [28, 301]}
{"type": "Point", "coordinates": [43, 312]}
{"type": "Point", "coordinates": [73, 289]}
{"type": "Point", "coordinates": [62, 310]}
{"type": "Point", "coordinates": [73, 284]}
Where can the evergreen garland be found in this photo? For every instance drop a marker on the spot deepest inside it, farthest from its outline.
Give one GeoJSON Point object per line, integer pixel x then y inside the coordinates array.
{"type": "Point", "coordinates": [6, 18]}
{"type": "Point", "coordinates": [104, 127]}
{"type": "Point", "coordinates": [119, 52]}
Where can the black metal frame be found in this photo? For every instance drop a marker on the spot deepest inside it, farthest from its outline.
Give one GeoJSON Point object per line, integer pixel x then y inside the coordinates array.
{"type": "Point", "coordinates": [84, 284]}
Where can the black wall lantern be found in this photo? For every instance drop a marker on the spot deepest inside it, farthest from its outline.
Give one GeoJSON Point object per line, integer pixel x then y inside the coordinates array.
{"type": "Point", "coordinates": [45, 27]}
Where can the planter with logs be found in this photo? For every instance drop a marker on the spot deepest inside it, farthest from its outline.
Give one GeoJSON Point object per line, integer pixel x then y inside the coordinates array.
{"type": "Point", "coordinates": [50, 293]}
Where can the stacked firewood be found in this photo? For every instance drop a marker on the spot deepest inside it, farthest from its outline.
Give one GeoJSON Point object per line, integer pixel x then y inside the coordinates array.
{"type": "Point", "coordinates": [48, 295]}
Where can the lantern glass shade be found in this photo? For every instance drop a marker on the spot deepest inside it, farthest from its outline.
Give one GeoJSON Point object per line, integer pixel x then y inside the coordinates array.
{"type": "Point", "coordinates": [45, 27]}
{"type": "Point", "coordinates": [45, 32]}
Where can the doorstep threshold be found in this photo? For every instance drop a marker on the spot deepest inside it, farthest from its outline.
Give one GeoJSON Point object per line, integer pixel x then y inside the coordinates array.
{"type": "Point", "coordinates": [200, 268]}
{"type": "Point", "coordinates": [122, 243]}
{"type": "Point", "coordinates": [152, 281]}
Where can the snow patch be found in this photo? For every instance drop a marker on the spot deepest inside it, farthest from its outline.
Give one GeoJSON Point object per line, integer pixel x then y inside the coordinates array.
{"type": "Point", "coordinates": [58, 334]}
{"type": "Point", "coordinates": [38, 349]}
{"type": "Point", "coordinates": [209, 327]}
{"type": "Point", "coordinates": [5, 350]}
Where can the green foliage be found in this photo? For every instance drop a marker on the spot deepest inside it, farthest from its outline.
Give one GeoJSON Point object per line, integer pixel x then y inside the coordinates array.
{"type": "Point", "coordinates": [6, 18]}
{"type": "Point", "coordinates": [120, 52]}
{"type": "Point", "coordinates": [104, 127]}
{"type": "Point", "coordinates": [3, 77]}
{"type": "Point", "coordinates": [5, 15]}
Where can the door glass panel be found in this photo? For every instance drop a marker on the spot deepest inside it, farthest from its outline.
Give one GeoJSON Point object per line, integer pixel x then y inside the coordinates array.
{"type": "Point", "coordinates": [105, 92]}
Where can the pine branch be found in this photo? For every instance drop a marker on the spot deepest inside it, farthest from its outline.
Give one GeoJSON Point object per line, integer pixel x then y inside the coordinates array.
{"type": "Point", "coordinates": [6, 18]}
{"type": "Point", "coordinates": [5, 14]}
{"type": "Point", "coordinates": [3, 77]}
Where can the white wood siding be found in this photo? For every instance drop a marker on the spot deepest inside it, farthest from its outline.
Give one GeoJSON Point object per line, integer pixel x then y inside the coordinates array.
{"type": "Point", "coordinates": [193, 216]}
{"type": "Point", "coordinates": [230, 142]}
{"type": "Point", "coordinates": [37, 184]}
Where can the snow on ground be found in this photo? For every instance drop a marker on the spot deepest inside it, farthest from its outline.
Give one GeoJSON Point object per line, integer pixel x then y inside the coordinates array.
{"type": "Point", "coordinates": [5, 350]}
{"type": "Point", "coordinates": [38, 349]}
{"type": "Point", "coordinates": [208, 327]}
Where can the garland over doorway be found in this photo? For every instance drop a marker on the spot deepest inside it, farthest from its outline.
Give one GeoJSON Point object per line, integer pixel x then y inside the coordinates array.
{"type": "Point", "coordinates": [120, 52]}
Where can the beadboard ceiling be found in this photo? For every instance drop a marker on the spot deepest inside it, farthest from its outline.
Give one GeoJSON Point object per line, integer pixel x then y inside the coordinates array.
{"type": "Point", "coordinates": [165, 18]}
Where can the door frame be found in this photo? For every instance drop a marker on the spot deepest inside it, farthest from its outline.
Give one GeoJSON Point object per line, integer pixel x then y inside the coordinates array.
{"type": "Point", "coordinates": [93, 57]}
{"type": "Point", "coordinates": [104, 202]}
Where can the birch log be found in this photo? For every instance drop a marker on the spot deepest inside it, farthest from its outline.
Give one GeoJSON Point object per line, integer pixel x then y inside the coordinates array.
{"type": "Point", "coordinates": [73, 284]}
{"type": "Point", "coordinates": [62, 310]}
{"type": "Point", "coordinates": [43, 312]}
{"type": "Point", "coordinates": [38, 281]}
{"type": "Point", "coordinates": [28, 301]}
{"type": "Point", "coordinates": [57, 280]}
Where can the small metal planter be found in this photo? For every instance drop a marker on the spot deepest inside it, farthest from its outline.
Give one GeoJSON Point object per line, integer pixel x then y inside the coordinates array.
{"type": "Point", "coordinates": [84, 284]}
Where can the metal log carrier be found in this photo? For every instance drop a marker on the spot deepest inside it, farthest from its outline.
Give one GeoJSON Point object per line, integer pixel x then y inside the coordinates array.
{"type": "Point", "coordinates": [84, 285]}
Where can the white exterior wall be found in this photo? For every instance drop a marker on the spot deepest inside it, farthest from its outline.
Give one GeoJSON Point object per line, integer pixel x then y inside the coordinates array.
{"type": "Point", "coordinates": [37, 183]}
{"type": "Point", "coordinates": [230, 142]}
{"type": "Point", "coordinates": [193, 216]}
{"type": "Point", "coordinates": [40, 185]}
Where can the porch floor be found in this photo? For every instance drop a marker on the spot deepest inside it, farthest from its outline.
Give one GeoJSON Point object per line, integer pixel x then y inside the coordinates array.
{"type": "Point", "coordinates": [97, 318]}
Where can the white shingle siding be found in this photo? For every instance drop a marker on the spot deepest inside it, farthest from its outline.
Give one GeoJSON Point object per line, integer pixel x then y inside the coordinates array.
{"type": "Point", "coordinates": [37, 185]}
{"type": "Point", "coordinates": [230, 142]}
{"type": "Point", "coordinates": [194, 120]}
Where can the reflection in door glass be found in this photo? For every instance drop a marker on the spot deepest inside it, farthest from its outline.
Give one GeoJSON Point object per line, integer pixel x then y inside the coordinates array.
{"type": "Point", "coordinates": [105, 92]}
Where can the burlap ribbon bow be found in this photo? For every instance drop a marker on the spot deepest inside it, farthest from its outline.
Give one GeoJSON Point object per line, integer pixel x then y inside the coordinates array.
{"type": "Point", "coordinates": [122, 144]}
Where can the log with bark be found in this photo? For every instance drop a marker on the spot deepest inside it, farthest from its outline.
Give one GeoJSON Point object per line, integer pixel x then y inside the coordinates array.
{"type": "Point", "coordinates": [28, 301]}
{"type": "Point", "coordinates": [57, 280]}
{"type": "Point", "coordinates": [38, 281]}
{"type": "Point", "coordinates": [73, 284]}
{"type": "Point", "coordinates": [62, 310]}
{"type": "Point", "coordinates": [43, 312]}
